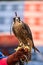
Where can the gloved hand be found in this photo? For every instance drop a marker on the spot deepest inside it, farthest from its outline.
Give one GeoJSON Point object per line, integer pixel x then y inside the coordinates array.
{"type": "Point", "coordinates": [15, 57]}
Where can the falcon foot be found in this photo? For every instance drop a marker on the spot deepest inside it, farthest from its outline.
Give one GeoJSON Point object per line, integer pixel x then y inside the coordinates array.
{"type": "Point", "coordinates": [26, 55]}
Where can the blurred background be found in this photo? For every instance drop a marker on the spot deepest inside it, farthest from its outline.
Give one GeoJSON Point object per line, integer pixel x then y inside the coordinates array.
{"type": "Point", "coordinates": [31, 12]}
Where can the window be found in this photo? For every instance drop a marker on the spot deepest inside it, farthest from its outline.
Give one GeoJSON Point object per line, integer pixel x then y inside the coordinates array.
{"type": "Point", "coordinates": [15, 7]}
{"type": "Point", "coordinates": [2, 19]}
{"type": "Point", "coordinates": [2, 7]}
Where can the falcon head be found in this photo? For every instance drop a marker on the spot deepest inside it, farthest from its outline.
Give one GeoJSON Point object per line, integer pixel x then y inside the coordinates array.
{"type": "Point", "coordinates": [16, 18]}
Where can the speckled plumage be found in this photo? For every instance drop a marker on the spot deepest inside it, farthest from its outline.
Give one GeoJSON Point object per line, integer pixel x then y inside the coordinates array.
{"type": "Point", "coordinates": [23, 33]}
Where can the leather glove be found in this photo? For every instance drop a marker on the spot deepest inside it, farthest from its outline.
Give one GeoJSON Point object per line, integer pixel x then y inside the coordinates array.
{"type": "Point", "coordinates": [15, 57]}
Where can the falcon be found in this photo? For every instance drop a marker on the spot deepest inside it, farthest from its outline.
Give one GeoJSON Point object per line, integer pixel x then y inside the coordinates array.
{"type": "Point", "coordinates": [22, 32]}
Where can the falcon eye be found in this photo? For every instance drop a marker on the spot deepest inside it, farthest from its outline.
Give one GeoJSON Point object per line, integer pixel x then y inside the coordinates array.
{"type": "Point", "coordinates": [14, 19]}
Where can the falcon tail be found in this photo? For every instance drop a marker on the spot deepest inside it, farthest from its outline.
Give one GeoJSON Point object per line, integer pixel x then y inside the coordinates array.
{"type": "Point", "coordinates": [35, 49]}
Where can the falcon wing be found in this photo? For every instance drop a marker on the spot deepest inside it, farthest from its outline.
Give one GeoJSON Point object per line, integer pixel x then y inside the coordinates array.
{"type": "Point", "coordinates": [28, 30]}
{"type": "Point", "coordinates": [30, 35]}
